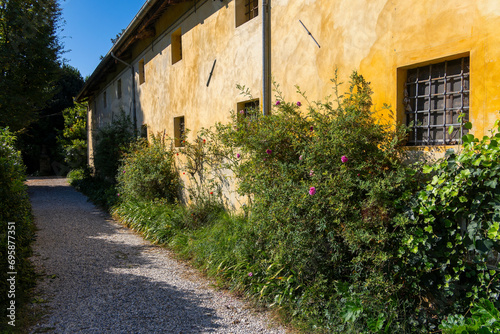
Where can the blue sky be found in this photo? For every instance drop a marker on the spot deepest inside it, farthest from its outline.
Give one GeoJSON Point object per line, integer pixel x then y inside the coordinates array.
{"type": "Point", "coordinates": [89, 25]}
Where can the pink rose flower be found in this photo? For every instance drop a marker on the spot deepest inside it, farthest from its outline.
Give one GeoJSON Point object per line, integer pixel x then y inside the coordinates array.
{"type": "Point", "coordinates": [312, 191]}
{"type": "Point", "coordinates": [344, 159]}
{"type": "Point", "coordinates": [299, 104]}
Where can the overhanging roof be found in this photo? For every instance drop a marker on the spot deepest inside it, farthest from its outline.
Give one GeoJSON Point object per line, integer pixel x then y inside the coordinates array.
{"type": "Point", "coordinates": [141, 27]}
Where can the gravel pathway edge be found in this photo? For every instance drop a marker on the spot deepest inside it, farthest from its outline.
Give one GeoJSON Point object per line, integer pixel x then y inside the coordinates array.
{"type": "Point", "coordinates": [99, 276]}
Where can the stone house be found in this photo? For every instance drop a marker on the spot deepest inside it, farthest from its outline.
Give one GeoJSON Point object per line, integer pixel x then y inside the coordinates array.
{"type": "Point", "coordinates": [178, 63]}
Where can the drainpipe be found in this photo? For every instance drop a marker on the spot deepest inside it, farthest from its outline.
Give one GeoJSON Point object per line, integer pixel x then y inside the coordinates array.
{"type": "Point", "coordinates": [134, 113]}
{"type": "Point", "coordinates": [266, 56]}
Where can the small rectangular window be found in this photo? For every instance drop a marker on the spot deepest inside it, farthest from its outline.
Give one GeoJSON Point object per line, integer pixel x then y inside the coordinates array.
{"type": "Point", "coordinates": [179, 131]}
{"type": "Point", "coordinates": [434, 98]}
{"type": "Point", "coordinates": [144, 131]}
{"type": "Point", "coordinates": [247, 108]}
{"type": "Point", "coordinates": [105, 100]}
{"type": "Point", "coordinates": [246, 10]}
{"type": "Point", "coordinates": [142, 74]}
{"type": "Point", "coordinates": [176, 46]}
{"type": "Point", "coordinates": [119, 89]}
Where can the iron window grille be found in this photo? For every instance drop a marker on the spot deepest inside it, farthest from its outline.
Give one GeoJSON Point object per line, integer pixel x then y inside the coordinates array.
{"type": "Point", "coordinates": [179, 131]}
{"type": "Point", "coordinates": [435, 97]}
{"type": "Point", "coordinates": [248, 109]}
{"type": "Point", "coordinates": [251, 9]}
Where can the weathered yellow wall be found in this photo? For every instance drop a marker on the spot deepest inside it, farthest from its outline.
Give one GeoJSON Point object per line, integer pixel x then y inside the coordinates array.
{"type": "Point", "coordinates": [179, 89]}
{"type": "Point", "coordinates": [378, 37]}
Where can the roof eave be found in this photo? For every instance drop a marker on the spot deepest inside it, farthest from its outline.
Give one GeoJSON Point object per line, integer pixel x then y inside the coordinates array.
{"type": "Point", "coordinates": [127, 33]}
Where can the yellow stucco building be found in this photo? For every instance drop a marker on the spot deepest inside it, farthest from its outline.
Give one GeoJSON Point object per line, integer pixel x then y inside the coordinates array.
{"type": "Point", "coordinates": [178, 63]}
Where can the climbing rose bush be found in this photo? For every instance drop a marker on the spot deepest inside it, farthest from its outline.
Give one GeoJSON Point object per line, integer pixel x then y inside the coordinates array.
{"type": "Point", "coordinates": [326, 184]}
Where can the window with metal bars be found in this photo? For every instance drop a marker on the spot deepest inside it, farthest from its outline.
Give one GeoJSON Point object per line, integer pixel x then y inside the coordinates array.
{"type": "Point", "coordinates": [251, 9]}
{"type": "Point", "coordinates": [179, 131]}
{"type": "Point", "coordinates": [434, 98]}
{"type": "Point", "coordinates": [246, 10]}
{"type": "Point", "coordinates": [247, 108]}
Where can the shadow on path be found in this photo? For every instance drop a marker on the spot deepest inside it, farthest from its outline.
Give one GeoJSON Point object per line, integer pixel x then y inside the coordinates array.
{"type": "Point", "coordinates": [100, 277]}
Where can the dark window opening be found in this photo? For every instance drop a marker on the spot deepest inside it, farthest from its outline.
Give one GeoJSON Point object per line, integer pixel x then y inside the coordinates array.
{"type": "Point", "coordinates": [248, 108]}
{"type": "Point", "coordinates": [179, 131]}
{"type": "Point", "coordinates": [436, 98]}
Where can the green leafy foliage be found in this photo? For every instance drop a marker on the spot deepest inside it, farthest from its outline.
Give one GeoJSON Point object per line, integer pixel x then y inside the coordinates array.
{"type": "Point", "coordinates": [74, 136]}
{"type": "Point", "coordinates": [14, 207]}
{"type": "Point", "coordinates": [328, 235]}
{"type": "Point", "coordinates": [327, 190]}
{"type": "Point", "coordinates": [148, 172]}
{"type": "Point", "coordinates": [112, 142]}
{"type": "Point", "coordinates": [100, 191]}
{"type": "Point", "coordinates": [29, 51]}
{"type": "Point", "coordinates": [453, 253]}
{"type": "Point", "coordinates": [327, 255]}
{"type": "Point", "coordinates": [40, 140]}
{"type": "Point", "coordinates": [484, 319]}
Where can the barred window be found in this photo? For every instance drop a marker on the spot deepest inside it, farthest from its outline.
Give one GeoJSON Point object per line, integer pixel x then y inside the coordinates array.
{"type": "Point", "coordinates": [435, 97]}
{"type": "Point", "coordinates": [251, 9]}
{"type": "Point", "coordinates": [246, 10]}
{"type": "Point", "coordinates": [179, 131]}
{"type": "Point", "coordinates": [246, 107]}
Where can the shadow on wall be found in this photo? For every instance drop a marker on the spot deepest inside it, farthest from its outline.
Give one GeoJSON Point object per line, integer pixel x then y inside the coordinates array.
{"type": "Point", "coordinates": [429, 154]}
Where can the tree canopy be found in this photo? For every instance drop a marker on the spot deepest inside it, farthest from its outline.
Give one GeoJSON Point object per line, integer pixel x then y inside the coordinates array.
{"type": "Point", "coordinates": [29, 59]}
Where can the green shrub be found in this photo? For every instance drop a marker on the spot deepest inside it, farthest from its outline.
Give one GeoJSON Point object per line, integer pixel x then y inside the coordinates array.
{"type": "Point", "coordinates": [77, 175]}
{"type": "Point", "coordinates": [148, 172]}
{"type": "Point", "coordinates": [452, 257]}
{"type": "Point", "coordinates": [157, 220]}
{"type": "Point", "coordinates": [102, 192]}
{"type": "Point", "coordinates": [484, 319]}
{"type": "Point", "coordinates": [329, 235]}
{"type": "Point", "coordinates": [14, 207]}
{"type": "Point", "coordinates": [112, 141]}
{"type": "Point", "coordinates": [328, 189]}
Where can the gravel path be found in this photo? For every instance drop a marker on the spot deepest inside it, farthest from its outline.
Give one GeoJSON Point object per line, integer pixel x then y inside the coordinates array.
{"type": "Point", "coordinates": [100, 277]}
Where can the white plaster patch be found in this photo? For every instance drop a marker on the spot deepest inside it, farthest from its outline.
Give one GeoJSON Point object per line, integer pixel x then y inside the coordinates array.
{"type": "Point", "coordinates": [489, 7]}
{"type": "Point", "coordinates": [358, 27]}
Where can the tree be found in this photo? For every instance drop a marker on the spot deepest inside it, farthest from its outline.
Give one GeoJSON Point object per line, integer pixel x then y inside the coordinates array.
{"type": "Point", "coordinates": [73, 138]}
{"type": "Point", "coordinates": [40, 137]}
{"type": "Point", "coordinates": [29, 59]}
